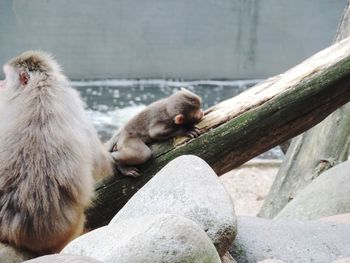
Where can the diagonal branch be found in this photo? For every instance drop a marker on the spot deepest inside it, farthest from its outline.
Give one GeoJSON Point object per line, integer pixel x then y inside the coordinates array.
{"type": "Point", "coordinates": [240, 128]}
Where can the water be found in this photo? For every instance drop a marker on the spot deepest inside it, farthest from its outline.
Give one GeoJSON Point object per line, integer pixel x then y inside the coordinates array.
{"type": "Point", "coordinates": [110, 103]}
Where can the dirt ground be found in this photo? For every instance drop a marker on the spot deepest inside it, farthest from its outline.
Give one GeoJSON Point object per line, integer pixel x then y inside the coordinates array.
{"type": "Point", "coordinates": [249, 184]}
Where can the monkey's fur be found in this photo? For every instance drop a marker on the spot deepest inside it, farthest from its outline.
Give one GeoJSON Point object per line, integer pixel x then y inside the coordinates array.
{"type": "Point", "coordinates": [49, 156]}
{"type": "Point", "coordinates": [161, 120]}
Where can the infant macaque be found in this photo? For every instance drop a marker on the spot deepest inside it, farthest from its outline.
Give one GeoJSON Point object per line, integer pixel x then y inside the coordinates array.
{"type": "Point", "coordinates": [161, 120]}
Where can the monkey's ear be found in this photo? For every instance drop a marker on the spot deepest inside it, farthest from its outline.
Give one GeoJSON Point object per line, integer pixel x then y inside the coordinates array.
{"type": "Point", "coordinates": [24, 78]}
{"type": "Point", "coordinates": [179, 119]}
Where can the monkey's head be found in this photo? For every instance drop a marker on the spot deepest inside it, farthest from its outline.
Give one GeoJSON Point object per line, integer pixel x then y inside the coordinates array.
{"type": "Point", "coordinates": [31, 65]}
{"type": "Point", "coordinates": [185, 107]}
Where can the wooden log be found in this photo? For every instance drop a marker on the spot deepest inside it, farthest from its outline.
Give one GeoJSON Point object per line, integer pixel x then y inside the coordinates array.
{"type": "Point", "coordinates": [313, 152]}
{"type": "Point", "coordinates": [240, 128]}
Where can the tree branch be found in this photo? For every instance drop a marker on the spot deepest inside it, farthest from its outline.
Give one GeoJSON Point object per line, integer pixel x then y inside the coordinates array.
{"type": "Point", "coordinates": [241, 128]}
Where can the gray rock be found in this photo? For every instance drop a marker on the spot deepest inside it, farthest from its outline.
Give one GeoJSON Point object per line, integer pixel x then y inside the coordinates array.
{"type": "Point", "coordinates": [61, 258]}
{"type": "Point", "coordinates": [290, 241]}
{"type": "Point", "coordinates": [341, 218]}
{"type": "Point", "coordinates": [271, 260]}
{"type": "Point", "coordinates": [188, 187]}
{"type": "Point", "coordinates": [150, 239]}
{"type": "Point", "coordinates": [9, 254]}
{"type": "Point", "coordinates": [327, 195]}
{"type": "Point", "coordinates": [342, 260]}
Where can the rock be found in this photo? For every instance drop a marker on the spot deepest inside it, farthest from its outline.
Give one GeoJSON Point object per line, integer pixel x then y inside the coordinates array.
{"type": "Point", "coordinates": [341, 218]}
{"type": "Point", "coordinates": [291, 241]}
{"type": "Point", "coordinates": [227, 258]}
{"type": "Point", "coordinates": [188, 187]}
{"type": "Point", "coordinates": [149, 239]}
{"type": "Point", "coordinates": [61, 258]}
{"type": "Point", "coordinates": [342, 260]}
{"type": "Point", "coordinates": [327, 195]}
{"type": "Point", "coordinates": [271, 260]}
{"type": "Point", "coordinates": [9, 254]}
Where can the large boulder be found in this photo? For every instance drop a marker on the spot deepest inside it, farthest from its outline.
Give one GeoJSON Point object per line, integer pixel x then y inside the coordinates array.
{"type": "Point", "coordinates": [188, 187]}
{"type": "Point", "coordinates": [290, 241]}
{"type": "Point", "coordinates": [9, 254]}
{"type": "Point", "coordinates": [149, 239]}
{"type": "Point", "coordinates": [62, 258]}
{"type": "Point", "coordinates": [327, 195]}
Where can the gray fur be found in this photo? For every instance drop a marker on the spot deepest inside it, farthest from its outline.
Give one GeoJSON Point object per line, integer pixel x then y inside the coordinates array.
{"type": "Point", "coordinates": [49, 155]}
{"type": "Point", "coordinates": [157, 122]}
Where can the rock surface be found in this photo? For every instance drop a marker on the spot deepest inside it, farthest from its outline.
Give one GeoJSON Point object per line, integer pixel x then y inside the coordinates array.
{"type": "Point", "coordinates": [341, 218]}
{"type": "Point", "coordinates": [271, 260]}
{"type": "Point", "coordinates": [188, 187]}
{"type": "Point", "coordinates": [342, 260]}
{"type": "Point", "coordinates": [149, 239]}
{"type": "Point", "coordinates": [9, 254]}
{"type": "Point", "coordinates": [227, 258]}
{"type": "Point", "coordinates": [327, 195]}
{"type": "Point", "coordinates": [291, 241]}
{"type": "Point", "coordinates": [61, 258]}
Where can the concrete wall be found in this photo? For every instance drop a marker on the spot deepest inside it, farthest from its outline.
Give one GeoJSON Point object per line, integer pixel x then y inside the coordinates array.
{"type": "Point", "coordinates": [197, 39]}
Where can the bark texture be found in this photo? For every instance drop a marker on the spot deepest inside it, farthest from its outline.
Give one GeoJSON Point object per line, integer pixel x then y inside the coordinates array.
{"type": "Point", "coordinates": [240, 128]}
{"type": "Point", "coordinates": [312, 152]}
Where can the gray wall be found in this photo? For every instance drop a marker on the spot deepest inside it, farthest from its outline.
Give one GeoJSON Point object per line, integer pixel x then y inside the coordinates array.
{"type": "Point", "coordinates": [197, 39]}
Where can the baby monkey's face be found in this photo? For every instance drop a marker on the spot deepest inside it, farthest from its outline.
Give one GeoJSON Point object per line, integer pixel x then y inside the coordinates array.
{"type": "Point", "coordinates": [190, 105]}
{"type": "Point", "coordinates": [196, 116]}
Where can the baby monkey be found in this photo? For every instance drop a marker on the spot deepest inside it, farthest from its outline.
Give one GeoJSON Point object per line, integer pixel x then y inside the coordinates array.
{"type": "Point", "coordinates": [161, 120]}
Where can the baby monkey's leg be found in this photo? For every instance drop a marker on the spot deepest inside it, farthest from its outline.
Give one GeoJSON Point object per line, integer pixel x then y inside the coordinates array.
{"type": "Point", "coordinates": [132, 151]}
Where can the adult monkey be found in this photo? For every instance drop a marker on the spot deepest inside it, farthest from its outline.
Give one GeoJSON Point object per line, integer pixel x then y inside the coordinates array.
{"type": "Point", "coordinates": [50, 156]}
